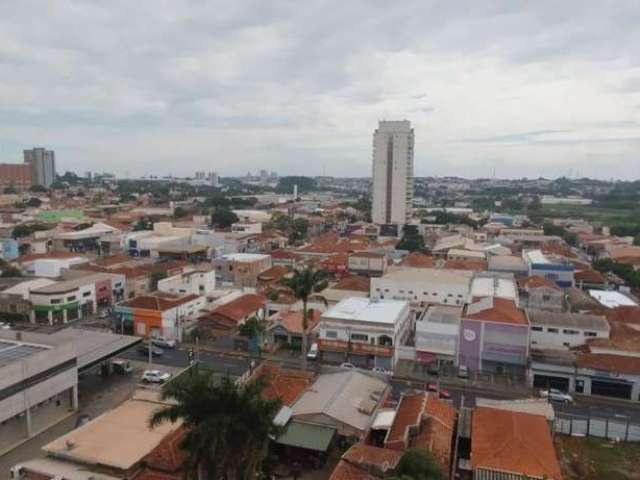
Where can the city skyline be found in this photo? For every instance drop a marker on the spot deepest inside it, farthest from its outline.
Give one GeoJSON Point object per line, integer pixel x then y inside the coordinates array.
{"type": "Point", "coordinates": [491, 89]}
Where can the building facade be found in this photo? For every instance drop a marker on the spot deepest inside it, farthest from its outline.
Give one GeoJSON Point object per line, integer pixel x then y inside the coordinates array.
{"type": "Point", "coordinates": [393, 144]}
{"type": "Point", "coordinates": [16, 176]}
{"type": "Point", "coordinates": [43, 166]}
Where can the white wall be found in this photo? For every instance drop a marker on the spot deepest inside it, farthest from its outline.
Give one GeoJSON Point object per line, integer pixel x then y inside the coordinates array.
{"type": "Point", "coordinates": [417, 291]}
{"type": "Point", "coordinates": [562, 339]}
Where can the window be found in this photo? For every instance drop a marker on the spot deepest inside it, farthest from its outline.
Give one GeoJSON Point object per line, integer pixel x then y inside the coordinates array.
{"type": "Point", "coordinates": [55, 301]}
{"type": "Point", "coordinates": [450, 295]}
{"type": "Point", "coordinates": [72, 298]}
{"type": "Point", "coordinates": [86, 294]}
{"type": "Point", "coordinates": [410, 292]}
{"type": "Point", "coordinates": [536, 329]}
{"type": "Point", "coordinates": [569, 331]}
{"type": "Point", "coordinates": [590, 334]}
{"type": "Point", "coordinates": [546, 298]}
{"type": "Point", "coordinates": [359, 337]}
{"type": "Point", "coordinates": [331, 334]}
{"type": "Point", "coordinates": [400, 291]}
{"type": "Point", "coordinates": [552, 330]}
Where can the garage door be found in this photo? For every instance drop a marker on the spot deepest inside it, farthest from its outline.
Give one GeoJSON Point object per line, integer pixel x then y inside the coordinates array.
{"type": "Point", "coordinates": [359, 360]}
{"type": "Point", "coordinates": [548, 381]}
{"type": "Point", "coordinates": [608, 388]}
{"type": "Point", "coordinates": [333, 357]}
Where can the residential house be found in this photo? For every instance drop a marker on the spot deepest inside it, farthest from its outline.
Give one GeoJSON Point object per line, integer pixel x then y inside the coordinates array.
{"type": "Point", "coordinates": [541, 293]}
{"type": "Point", "coordinates": [369, 264]}
{"type": "Point", "coordinates": [364, 332]}
{"type": "Point", "coordinates": [285, 327]}
{"type": "Point", "coordinates": [242, 269]}
{"type": "Point", "coordinates": [514, 445]}
{"type": "Point", "coordinates": [224, 319]}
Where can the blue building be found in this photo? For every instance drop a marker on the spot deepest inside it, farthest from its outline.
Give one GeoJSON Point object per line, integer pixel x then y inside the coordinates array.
{"type": "Point", "coordinates": [551, 267]}
{"type": "Point", "coordinates": [9, 249]}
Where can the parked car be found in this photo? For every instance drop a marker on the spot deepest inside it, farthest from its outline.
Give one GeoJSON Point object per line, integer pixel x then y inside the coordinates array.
{"type": "Point", "coordinates": [556, 395]}
{"type": "Point", "coordinates": [122, 367]}
{"type": "Point", "coordinates": [348, 365]}
{"type": "Point", "coordinates": [163, 342]}
{"type": "Point", "coordinates": [382, 371]}
{"type": "Point", "coordinates": [463, 372]}
{"type": "Point", "coordinates": [312, 354]}
{"type": "Point", "coordinates": [144, 348]}
{"type": "Point", "coordinates": [442, 393]}
{"type": "Point", "coordinates": [155, 376]}
{"type": "Point", "coordinates": [102, 314]}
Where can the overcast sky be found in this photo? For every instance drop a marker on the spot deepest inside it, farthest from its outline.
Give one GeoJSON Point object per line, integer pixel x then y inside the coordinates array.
{"type": "Point", "coordinates": [141, 87]}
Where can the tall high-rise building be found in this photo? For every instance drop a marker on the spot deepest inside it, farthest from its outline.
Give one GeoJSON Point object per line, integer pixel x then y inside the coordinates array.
{"type": "Point", "coordinates": [392, 172]}
{"type": "Point", "coordinates": [43, 166]}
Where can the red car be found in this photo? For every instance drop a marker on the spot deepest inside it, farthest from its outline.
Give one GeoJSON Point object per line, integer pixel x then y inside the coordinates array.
{"type": "Point", "coordinates": [442, 393]}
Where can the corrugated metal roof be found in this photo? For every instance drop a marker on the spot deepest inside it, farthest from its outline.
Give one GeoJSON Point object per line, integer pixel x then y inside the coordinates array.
{"type": "Point", "coordinates": [307, 436]}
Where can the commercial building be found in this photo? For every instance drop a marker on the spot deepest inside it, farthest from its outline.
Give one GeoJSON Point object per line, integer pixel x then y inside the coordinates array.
{"type": "Point", "coordinates": [565, 330]}
{"type": "Point", "coordinates": [549, 266]}
{"type": "Point", "coordinates": [369, 264]}
{"type": "Point", "coordinates": [195, 282]}
{"type": "Point", "coordinates": [160, 315]}
{"type": "Point", "coordinates": [393, 144]}
{"type": "Point", "coordinates": [364, 332]}
{"type": "Point", "coordinates": [43, 166]}
{"type": "Point", "coordinates": [423, 286]}
{"type": "Point", "coordinates": [15, 175]}
{"type": "Point", "coordinates": [39, 376]}
{"type": "Point", "coordinates": [436, 334]}
{"type": "Point", "coordinates": [494, 337]}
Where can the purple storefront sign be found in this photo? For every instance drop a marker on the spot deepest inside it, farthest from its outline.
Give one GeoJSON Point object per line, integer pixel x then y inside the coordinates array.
{"type": "Point", "coordinates": [470, 341]}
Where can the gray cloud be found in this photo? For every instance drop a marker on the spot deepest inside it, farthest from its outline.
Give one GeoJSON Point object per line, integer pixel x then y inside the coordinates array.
{"type": "Point", "coordinates": [184, 85]}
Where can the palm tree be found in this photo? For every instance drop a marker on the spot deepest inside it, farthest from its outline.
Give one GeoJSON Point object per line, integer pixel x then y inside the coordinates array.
{"type": "Point", "coordinates": [227, 425]}
{"type": "Point", "coordinates": [304, 283]}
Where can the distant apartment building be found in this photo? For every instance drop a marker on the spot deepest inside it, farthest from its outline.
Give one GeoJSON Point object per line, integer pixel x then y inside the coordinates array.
{"type": "Point", "coordinates": [15, 176]}
{"type": "Point", "coordinates": [43, 166]}
{"type": "Point", "coordinates": [393, 144]}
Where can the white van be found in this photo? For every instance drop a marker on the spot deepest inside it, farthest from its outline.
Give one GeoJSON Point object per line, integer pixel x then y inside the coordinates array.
{"type": "Point", "coordinates": [312, 354]}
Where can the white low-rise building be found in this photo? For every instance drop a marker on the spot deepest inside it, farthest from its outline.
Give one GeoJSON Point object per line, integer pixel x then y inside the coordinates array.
{"type": "Point", "coordinates": [364, 332]}
{"type": "Point", "coordinates": [437, 331]}
{"type": "Point", "coordinates": [495, 285]}
{"type": "Point", "coordinates": [423, 286]}
{"type": "Point", "coordinates": [196, 282]}
{"type": "Point", "coordinates": [555, 330]}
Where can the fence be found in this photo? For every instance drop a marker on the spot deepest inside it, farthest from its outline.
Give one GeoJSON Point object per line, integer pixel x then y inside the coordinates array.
{"type": "Point", "coordinates": [622, 429]}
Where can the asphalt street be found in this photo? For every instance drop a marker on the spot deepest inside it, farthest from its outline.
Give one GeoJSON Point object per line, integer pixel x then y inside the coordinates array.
{"type": "Point", "coordinates": [234, 366]}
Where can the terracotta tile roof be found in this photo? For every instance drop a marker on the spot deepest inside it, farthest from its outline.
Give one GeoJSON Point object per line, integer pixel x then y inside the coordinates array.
{"type": "Point", "coordinates": [609, 362]}
{"type": "Point", "coordinates": [494, 309]}
{"type": "Point", "coordinates": [513, 442]}
{"type": "Point", "coordinates": [558, 249]}
{"type": "Point", "coordinates": [331, 243]}
{"type": "Point", "coordinates": [273, 274]}
{"type": "Point", "coordinates": [436, 432]}
{"type": "Point", "coordinates": [589, 276]}
{"type": "Point", "coordinates": [354, 283]}
{"type": "Point", "coordinates": [382, 459]}
{"type": "Point", "coordinates": [286, 385]}
{"type": "Point", "coordinates": [367, 255]}
{"type": "Point", "coordinates": [292, 320]}
{"type": "Point", "coordinates": [625, 252]}
{"type": "Point", "coordinates": [112, 260]}
{"type": "Point", "coordinates": [536, 281]}
{"type": "Point", "coordinates": [240, 307]}
{"type": "Point", "coordinates": [625, 314]}
{"type": "Point", "coordinates": [621, 337]}
{"type": "Point", "coordinates": [474, 265]}
{"type": "Point", "coordinates": [168, 456]}
{"type": "Point", "coordinates": [418, 260]}
{"type": "Point", "coordinates": [284, 255]}
{"type": "Point", "coordinates": [158, 302]}
{"type": "Point", "coordinates": [49, 255]}
{"type": "Point", "coordinates": [339, 259]}
{"type": "Point", "coordinates": [347, 471]}
{"type": "Point", "coordinates": [408, 414]}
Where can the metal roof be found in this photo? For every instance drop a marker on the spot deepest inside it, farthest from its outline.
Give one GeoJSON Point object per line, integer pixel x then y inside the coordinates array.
{"type": "Point", "coordinates": [307, 436]}
{"type": "Point", "coordinates": [591, 322]}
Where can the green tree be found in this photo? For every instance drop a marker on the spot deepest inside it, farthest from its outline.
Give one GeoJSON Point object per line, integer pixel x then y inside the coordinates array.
{"type": "Point", "coordinates": [7, 270]}
{"type": "Point", "coordinates": [253, 327]}
{"type": "Point", "coordinates": [418, 464]}
{"type": "Point", "coordinates": [180, 212]}
{"type": "Point", "coordinates": [38, 189]}
{"type": "Point", "coordinates": [21, 231]}
{"type": "Point", "coordinates": [143, 224]}
{"type": "Point", "coordinates": [227, 425]}
{"type": "Point", "coordinates": [298, 230]}
{"type": "Point", "coordinates": [304, 283]}
{"type": "Point", "coordinates": [411, 239]}
{"type": "Point", "coordinates": [223, 217]}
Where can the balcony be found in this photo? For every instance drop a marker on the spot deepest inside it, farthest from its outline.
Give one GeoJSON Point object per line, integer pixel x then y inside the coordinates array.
{"type": "Point", "coordinates": [354, 347]}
